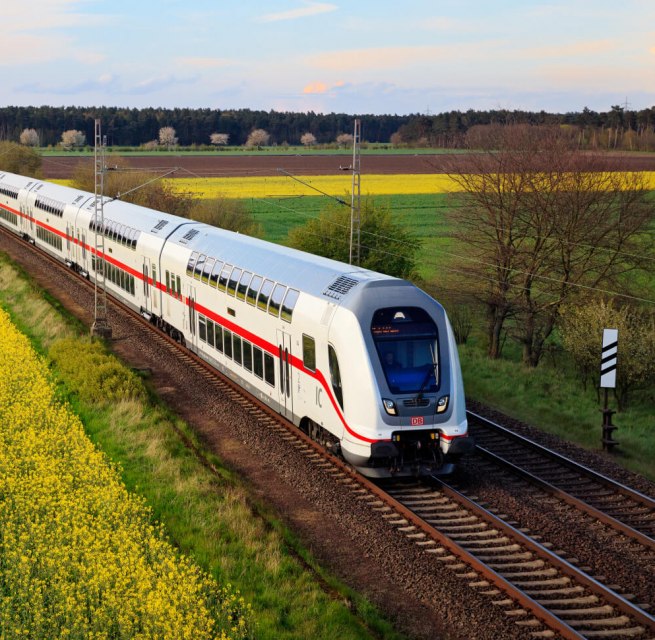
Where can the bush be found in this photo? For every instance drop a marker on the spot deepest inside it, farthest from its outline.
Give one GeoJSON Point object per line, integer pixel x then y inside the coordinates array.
{"type": "Point", "coordinates": [94, 375]}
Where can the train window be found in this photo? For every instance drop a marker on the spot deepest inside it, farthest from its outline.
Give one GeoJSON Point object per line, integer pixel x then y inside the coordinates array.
{"type": "Point", "coordinates": [243, 285]}
{"type": "Point", "coordinates": [179, 286]}
{"type": "Point", "coordinates": [202, 328]}
{"type": "Point", "coordinates": [209, 265]}
{"type": "Point", "coordinates": [213, 279]}
{"type": "Point", "coordinates": [168, 281]}
{"type": "Point", "coordinates": [234, 278]}
{"type": "Point", "coordinates": [236, 348]}
{"type": "Point", "coordinates": [200, 263]}
{"type": "Point", "coordinates": [247, 355]}
{"type": "Point", "coordinates": [269, 369]}
{"type": "Point", "coordinates": [289, 304]}
{"type": "Point", "coordinates": [218, 331]}
{"type": "Point", "coordinates": [192, 261]}
{"type": "Point", "coordinates": [253, 289]}
{"type": "Point", "coordinates": [265, 292]}
{"type": "Point", "coordinates": [276, 299]}
{"type": "Point", "coordinates": [309, 352]}
{"type": "Point", "coordinates": [335, 375]}
{"type": "Point", "coordinates": [210, 332]}
{"type": "Point", "coordinates": [257, 364]}
{"type": "Point", "coordinates": [225, 274]}
{"type": "Point", "coordinates": [120, 234]}
{"type": "Point", "coordinates": [227, 342]}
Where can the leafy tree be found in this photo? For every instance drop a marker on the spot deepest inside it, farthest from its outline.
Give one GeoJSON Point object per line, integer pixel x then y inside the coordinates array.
{"type": "Point", "coordinates": [137, 187]}
{"type": "Point", "coordinates": [29, 137]}
{"type": "Point", "coordinates": [167, 137]}
{"type": "Point", "coordinates": [228, 214]}
{"type": "Point", "coordinates": [582, 333]}
{"type": "Point", "coordinates": [73, 138]}
{"type": "Point", "coordinates": [538, 221]}
{"type": "Point", "coordinates": [258, 138]}
{"type": "Point", "coordinates": [19, 159]}
{"type": "Point", "coordinates": [308, 139]}
{"type": "Point", "coordinates": [385, 246]}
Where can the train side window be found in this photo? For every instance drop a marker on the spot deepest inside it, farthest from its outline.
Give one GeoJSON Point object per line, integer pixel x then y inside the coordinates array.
{"type": "Point", "coordinates": [247, 355]}
{"type": "Point", "coordinates": [335, 375]}
{"type": "Point", "coordinates": [225, 274]}
{"type": "Point", "coordinates": [202, 328]}
{"type": "Point", "coordinates": [179, 286]}
{"type": "Point", "coordinates": [219, 337]}
{"type": "Point", "coordinates": [289, 304]}
{"type": "Point", "coordinates": [209, 265]}
{"type": "Point", "coordinates": [236, 348]}
{"type": "Point", "coordinates": [257, 364]}
{"type": "Point", "coordinates": [309, 352]}
{"type": "Point", "coordinates": [227, 343]}
{"type": "Point", "coordinates": [243, 285]}
{"type": "Point", "coordinates": [210, 332]}
{"type": "Point", "coordinates": [265, 292]}
{"type": "Point", "coordinates": [276, 299]}
{"type": "Point", "coordinates": [168, 281]}
{"type": "Point", "coordinates": [213, 279]}
{"type": "Point", "coordinates": [200, 263]}
{"type": "Point", "coordinates": [253, 290]}
{"type": "Point", "coordinates": [269, 369]}
{"type": "Point", "coordinates": [234, 278]}
{"type": "Point", "coordinates": [191, 264]}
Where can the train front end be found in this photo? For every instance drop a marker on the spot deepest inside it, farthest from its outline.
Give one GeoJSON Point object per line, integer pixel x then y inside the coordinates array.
{"type": "Point", "coordinates": [419, 424]}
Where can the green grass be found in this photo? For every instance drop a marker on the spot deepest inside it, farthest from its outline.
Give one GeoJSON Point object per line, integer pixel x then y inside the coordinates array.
{"type": "Point", "coordinates": [211, 517]}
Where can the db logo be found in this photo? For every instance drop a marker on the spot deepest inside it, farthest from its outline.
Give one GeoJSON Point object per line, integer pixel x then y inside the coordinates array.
{"type": "Point", "coordinates": [417, 422]}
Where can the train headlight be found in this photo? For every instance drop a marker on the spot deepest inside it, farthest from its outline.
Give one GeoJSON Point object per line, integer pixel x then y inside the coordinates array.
{"type": "Point", "coordinates": [442, 404]}
{"type": "Point", "coordinates": [390, 407]}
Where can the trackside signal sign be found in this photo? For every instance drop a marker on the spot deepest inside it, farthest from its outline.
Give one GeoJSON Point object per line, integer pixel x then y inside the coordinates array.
{"type": "Point", "coordinates": [609, 358]}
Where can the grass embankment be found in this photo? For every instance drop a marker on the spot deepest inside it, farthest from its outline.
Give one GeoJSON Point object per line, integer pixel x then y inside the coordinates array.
{"type": "Point", "coordinates": [210, 517]}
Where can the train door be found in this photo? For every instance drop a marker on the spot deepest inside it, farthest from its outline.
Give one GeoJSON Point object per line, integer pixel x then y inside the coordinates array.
{"type": "Point", "coordinates": [147, 305]}
{"type": "Point", "coordinates": [191, 322]}
{"type": "Point", "coordinates": [285, 387]}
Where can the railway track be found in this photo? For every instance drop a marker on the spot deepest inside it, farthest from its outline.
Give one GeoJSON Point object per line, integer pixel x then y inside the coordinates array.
{"type": "Point", "coordinates": [536, 590]}
{"type": "Point", "coordinates": [625, 510]}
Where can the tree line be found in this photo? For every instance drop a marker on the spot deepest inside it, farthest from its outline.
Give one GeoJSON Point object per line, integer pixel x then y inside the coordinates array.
{"type": "Point", "coordinates": [618, 128]}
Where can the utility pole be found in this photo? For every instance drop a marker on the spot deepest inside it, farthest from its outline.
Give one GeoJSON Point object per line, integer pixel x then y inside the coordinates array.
{"type": "Point", "coordinates": [355, 203]}
{"type": "Point", "coordinates": [100, 323]}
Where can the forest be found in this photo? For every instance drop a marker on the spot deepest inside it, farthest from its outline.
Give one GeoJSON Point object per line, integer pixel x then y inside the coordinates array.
{"type": "Point", "coordinates": [617, 128]}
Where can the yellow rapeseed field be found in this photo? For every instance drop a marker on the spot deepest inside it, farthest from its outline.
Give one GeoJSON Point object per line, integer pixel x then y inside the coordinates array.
{"type": "Point", "coordinates": [335, 185]}
{"type": "Point", "coordinates": [79, 555]}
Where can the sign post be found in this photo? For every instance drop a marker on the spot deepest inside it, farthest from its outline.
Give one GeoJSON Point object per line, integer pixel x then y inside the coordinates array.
{"type": "Point", "coordinates": [608, 364]}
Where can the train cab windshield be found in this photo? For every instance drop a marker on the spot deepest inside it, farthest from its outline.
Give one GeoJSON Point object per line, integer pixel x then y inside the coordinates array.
{"type": "Point", "coordinates": [406, 342]}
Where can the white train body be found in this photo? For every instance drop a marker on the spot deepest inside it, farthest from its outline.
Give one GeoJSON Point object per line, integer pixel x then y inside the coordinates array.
{"type": "Point", "coordinates": [359, 358]}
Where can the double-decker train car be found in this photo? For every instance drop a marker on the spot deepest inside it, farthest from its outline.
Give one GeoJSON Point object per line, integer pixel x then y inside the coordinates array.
{"type": "Point", "coordinates": [363, 362]}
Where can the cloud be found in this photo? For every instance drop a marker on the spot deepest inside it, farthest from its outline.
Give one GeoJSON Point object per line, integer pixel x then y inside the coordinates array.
{"type": "Point", "coordinates": [310, 9]}
{"type": "Point", "coordinates": [204, 63]}
{"type": "Point", "coordinates": [378, 58]}
{"type": "Point", "coordinates": [315, 87]}
{"type": "Point", "coordinates": [574, 49]}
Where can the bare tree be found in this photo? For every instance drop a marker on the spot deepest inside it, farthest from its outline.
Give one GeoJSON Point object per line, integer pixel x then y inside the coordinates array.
{"type": "Point", "coordinates": [538, 222]}
{"type": "Point", "coordinates": [219, 139]}
{"type": "Point", "coordinates": [308, 139]}
{"type": "Point", "coordinates": [258, 138]}
{"type": "Point", "coordinates": [167, 137]}
{"type": "Point", "coordinates": [29, 137]}
{"type": "Point", "coordinates": [72, 138]}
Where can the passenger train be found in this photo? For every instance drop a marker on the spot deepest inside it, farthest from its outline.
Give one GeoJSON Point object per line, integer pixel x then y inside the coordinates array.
{"type": "Point", "coordinates": [363, 362]}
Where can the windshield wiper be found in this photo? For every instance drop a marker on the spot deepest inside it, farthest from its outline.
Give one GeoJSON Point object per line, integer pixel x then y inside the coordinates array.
{"type": "Point", "coordinates": [427, 375]}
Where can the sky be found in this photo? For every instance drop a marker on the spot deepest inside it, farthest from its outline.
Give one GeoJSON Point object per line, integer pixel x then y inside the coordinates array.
{"type": "Point", "coordinates": [355, 57]}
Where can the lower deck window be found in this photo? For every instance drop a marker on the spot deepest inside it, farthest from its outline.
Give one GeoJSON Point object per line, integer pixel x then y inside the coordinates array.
{"type": "Point", "coordinates": [269, 369]}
